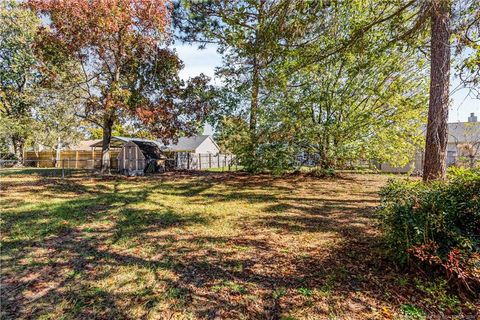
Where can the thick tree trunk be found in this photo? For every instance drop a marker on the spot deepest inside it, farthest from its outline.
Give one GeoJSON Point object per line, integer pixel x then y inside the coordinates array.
{"type": "Point", "coordinates": [325, 161]}
{"type": "Point", "coordinates": [436, 141]}
{"type": "Point", "coordinates": [107, 136]}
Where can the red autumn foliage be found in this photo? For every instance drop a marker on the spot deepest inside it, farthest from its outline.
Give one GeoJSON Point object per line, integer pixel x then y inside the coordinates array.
{"type": "Point", "coordinates": [456, 267]}
{"type": "Point", "coordinates": [112, 39]}
{"type": "Point", "coordinates": [128, 71]}
{"type": "Point", "coordinates": [81, 23]}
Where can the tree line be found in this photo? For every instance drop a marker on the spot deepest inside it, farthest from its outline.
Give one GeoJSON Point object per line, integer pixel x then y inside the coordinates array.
{"type": "Point", "coordinates": [345, 80]}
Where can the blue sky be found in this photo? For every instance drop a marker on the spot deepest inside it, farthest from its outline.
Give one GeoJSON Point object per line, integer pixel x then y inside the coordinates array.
{"type": "Point", "coordinates": [462, 105]}
{"type": "Point", "coordinates": [204, 61]}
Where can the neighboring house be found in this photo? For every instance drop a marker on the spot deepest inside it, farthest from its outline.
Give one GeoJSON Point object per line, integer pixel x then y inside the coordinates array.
{"type": "Point", "coordinates": [196, 144]}
{"type": "Point", "coordinates": [463, 140]}
{"type": "Point", "coordinates": [463, 146]}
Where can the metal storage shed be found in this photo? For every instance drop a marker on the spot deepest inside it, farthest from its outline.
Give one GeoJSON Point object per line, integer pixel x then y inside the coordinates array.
{"type": "Point", "coordinates": [138, 157]}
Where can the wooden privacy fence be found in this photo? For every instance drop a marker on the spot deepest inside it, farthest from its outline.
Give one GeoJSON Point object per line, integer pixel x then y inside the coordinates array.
{"type": "Point", "coordinates": [70, 159]}
{"type": "Point", "coordinates": [202, 161]}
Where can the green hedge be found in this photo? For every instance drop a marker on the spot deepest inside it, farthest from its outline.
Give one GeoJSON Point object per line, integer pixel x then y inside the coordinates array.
{"type": "Point", "coordinates": [436, 225]}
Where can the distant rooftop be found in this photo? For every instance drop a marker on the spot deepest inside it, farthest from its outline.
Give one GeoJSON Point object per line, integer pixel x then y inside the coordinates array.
{"type": "Point", "coordinates": [185, 143]}
{"type": "Point", "coordinates": [83, 145]}
{"type": "Point", "coordinates": [461, 132]}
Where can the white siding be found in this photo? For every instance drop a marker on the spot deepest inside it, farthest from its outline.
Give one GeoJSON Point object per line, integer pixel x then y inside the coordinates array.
{"type": "Point", "coordinates": [207, 146]}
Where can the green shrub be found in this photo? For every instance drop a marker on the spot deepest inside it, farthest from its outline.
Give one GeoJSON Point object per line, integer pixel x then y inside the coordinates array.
{"type": "Point", "coordinates": [412, 312]}
{"type": "Point", "coordinates": [277, 158]}
{"type": "Point", "coordinates": [323, 172]}
{"type": "Point", "coordinates": [436, 224]}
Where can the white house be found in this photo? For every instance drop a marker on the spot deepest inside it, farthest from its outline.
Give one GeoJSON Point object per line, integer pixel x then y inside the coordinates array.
{"type": "Point", "coordinates": [463, 140]}
{"type": "Point", "coordinates": [463, 143]}
{"type": "Point", "coordinates": [195, 144]}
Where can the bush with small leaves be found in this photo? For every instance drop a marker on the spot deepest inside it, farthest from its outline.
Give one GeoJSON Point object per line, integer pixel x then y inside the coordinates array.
{"type": "Point", "coordinates": [436, 225]}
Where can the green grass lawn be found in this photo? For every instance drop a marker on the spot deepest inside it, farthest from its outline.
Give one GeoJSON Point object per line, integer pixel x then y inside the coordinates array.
{"type": "Point", "coordinates": [206, 246]}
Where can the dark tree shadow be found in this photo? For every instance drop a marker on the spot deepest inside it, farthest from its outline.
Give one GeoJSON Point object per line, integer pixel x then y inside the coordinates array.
{"type": "Point", "coordinates": [249, 274]}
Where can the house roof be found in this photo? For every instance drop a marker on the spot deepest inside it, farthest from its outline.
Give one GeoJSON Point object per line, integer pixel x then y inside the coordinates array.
{"type": "Point", "coordinates": [83, 145]}
{"type": "Point", "coordinates": [150, 149]}
{"type": "Point", "coordinates": [463, 132]}
{"type": "Point", "coordinates": [187, 143]}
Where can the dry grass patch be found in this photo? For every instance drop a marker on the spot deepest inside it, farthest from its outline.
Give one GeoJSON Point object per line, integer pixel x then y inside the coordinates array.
{"type": "Point", "coordinates": [212, 246]}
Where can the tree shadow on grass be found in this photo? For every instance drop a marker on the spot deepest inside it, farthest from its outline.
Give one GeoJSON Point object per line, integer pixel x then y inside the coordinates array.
{"type": "Point", "coordinates": [51, 218]}
{"type": "Point", "coordinates": [27, 229]}
{"type": "Point", "coordinates": [51, 260]}
{"type": "Point", "coordinates": [264, 283]}
{"type": "Point", "coordinates": [249, 274]}
{"type": "Point", "coordinates": [45, 172]}
{"type": "Point", "coordinates": [139, 223]}
{"type": "Point", "coordinates": [213, 285]}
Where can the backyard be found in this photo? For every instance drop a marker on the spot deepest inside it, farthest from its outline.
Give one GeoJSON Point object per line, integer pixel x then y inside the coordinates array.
{"type": "Point", "coordinates": [203, 246]}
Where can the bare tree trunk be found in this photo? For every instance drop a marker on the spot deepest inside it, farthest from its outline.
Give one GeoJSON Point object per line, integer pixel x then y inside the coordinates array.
{"type": "Point", "coordinates": [18, 146]}
{"type": "Point", "coordinates": [107, 136]}
{"type": "Point", "coordinates": [256, 66]}
{"type": "Point", "coordinates": [437, 136]}
{"type": "Point", "coordinates": [254, 104]}
{"type": "Point", "coordinates": [58, 152]}
{"type": "Point", "coordinates": [325, 161]}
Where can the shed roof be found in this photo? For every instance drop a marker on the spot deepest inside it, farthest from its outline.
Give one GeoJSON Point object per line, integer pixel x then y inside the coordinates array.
{"type": "Point", "coordinates": [119, 142]}
{"type": "Point", "coordinates": [150, 149]}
